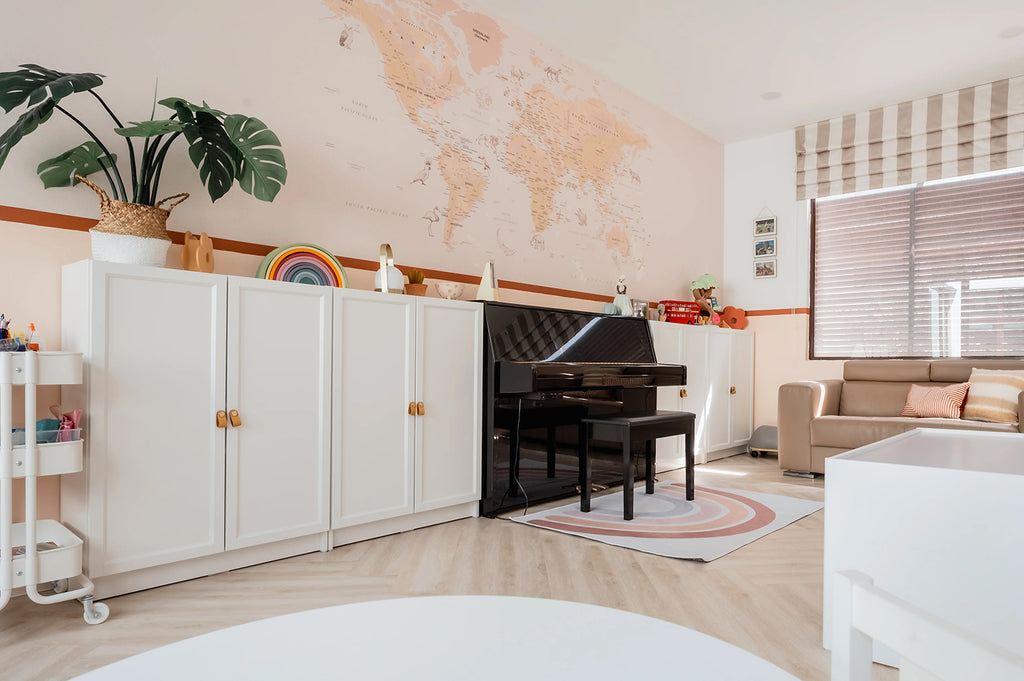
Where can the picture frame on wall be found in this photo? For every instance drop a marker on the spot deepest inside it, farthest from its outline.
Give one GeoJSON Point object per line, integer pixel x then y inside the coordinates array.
{"type": "Point", "coordinates": [764, 248]}
{"type": "Point", "coordinates": [764, 227]}
{"type": "Point", "coordinates": [765, 269]}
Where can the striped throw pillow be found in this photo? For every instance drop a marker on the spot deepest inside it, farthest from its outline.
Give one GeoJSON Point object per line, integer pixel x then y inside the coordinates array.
{"type": "Point", "coordinates": [993, 395]}
{"type": "Point", "coordinates": [935, 402]}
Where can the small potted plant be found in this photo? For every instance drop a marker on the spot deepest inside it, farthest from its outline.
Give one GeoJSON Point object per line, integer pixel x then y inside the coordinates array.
{"type": "Point", "coordinates": [416, 287]}
{"type": "Point", "coordinates": [223, 147]}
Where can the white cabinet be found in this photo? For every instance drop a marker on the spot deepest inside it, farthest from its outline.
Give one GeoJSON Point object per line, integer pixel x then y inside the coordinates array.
{"type": "Point", "coordinates": [407, 406]}
{"type": "Point", "coordinates": [167, 478]}
{"type": "Point", "coordinates": [719, 386]}
{"type": "Point", "coordinates": [235, 421]}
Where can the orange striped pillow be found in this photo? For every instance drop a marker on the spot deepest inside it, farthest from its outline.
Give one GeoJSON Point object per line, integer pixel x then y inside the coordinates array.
{"type": "Point", "coordinates": [994, 395]}
{"type": "Point", "coordinates": [935, 402]}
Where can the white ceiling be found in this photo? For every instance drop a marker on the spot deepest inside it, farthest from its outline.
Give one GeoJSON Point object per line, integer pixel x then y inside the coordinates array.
{"type": "Point", "coordinates": [708, 62]}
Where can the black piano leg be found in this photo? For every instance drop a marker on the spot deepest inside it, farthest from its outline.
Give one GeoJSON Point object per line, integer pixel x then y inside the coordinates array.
{"type": "Point", "coordinates": [551, 451]}
{"type": "Point", "coordinates": [627, 480]}
{"type": "Point", "coordinates": [689, 460]}
{"type": "Point", "coordinates": [513, 462]}
{"type": "Point", "coordinates": [649, 459]}
{"type": "Point", "coordinates": [584, 465]}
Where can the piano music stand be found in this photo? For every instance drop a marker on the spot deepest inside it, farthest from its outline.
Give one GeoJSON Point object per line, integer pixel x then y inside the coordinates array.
{"type": "Point", "coordinates": [626, 429]}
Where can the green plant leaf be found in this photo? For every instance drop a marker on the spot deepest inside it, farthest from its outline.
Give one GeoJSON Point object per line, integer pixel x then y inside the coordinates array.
{"type": "Point", "coordinates": [262, 172]}
{"type": "Point", "coordinates": [34, 83]}
{"type": "Point", "coordinates": [26, 123]}
{"type": "Point", "coordinates": [85, 159]}
{"type": "Point", "coordinates": [150, 128]}
{"type": "Point", "coordinates": [173, 102]}
{"type": "Point", "coordinates": [210, 149]}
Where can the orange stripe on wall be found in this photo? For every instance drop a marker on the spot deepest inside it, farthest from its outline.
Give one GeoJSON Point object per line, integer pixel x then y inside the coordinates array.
{"type": "Point", "coordinates": [60, 221]}
{"type": "Point", "coordinates": [770, 313]}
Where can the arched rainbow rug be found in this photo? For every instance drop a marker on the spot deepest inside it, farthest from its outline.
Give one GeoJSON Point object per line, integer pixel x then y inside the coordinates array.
{"type": "Point", "coordinates": [715, 523]}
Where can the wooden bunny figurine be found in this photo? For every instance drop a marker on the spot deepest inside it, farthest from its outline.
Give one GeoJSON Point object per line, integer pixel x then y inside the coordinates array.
{"type": "Point", "coordinates": [197, 253]}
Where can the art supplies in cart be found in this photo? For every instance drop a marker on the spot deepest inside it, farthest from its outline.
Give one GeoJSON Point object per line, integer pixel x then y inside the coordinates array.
{"type": "Point", "coordinates": [17, 341]}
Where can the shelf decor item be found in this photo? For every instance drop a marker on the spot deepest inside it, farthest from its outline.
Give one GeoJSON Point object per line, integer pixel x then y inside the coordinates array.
{"type": "Point", "coordinates": [132, 227]}
{"type": "Point", "coordinates": [389, 279]}
{"type": "Point", "coordinates": [416, 287]}
{"type": "Point", "coordinates": [305, 264]}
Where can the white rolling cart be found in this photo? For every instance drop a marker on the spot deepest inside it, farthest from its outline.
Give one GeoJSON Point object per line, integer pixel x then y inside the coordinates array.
{"type": "Point", "coordinates": [61, 564]}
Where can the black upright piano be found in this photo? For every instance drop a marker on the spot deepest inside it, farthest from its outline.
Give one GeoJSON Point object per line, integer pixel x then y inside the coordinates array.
{"type": "Point", "coordinates": [544, 370]}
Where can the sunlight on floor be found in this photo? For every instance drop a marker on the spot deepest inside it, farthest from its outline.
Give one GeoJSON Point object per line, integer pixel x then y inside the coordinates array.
{"type": "Point", "coordinates": [719, 471]}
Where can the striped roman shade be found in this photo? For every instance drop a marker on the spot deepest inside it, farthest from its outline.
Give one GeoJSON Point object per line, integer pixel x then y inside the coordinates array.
{"type": "Point", "coordinates": [973, 130]}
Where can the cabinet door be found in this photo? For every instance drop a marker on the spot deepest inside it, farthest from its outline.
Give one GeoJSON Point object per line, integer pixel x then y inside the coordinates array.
{"type": "Point", "coordinates": [278, 380]}
{"type": "Point", "coordinates": [719, 400]}
{"type": "Point", "coordinates": [696, 392]}
{"type": "Point", "coordinates": [449, 363]}
{"type": "Point", "coordinates": [372, 443]}
{"type": "Point", "coordinates": [155, 461]}
{"type": "Point", "coordinates": [742, 402]}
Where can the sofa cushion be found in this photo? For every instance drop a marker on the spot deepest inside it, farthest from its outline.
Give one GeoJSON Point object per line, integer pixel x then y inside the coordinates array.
{"type": "Point", "coordinates": [896, 370]}
{"type": "Point", "coordinates": [959, 370]}
{"type": "Point", "coordinates": [993, 395]}
{"type": "Point", "coordinates": [935, 401]}
{"type": "Point", "coordinates": [873, 398]}
{"type": "Point", "coordinates": [849, 432]}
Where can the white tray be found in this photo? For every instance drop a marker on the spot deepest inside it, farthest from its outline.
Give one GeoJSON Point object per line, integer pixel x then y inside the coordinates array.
{"type": "Point", "coordinates": [63, 562]}
{"type": "Point", "coordinates": [55, 458]}
{"type": "Point", "coordinates": [55, 368]}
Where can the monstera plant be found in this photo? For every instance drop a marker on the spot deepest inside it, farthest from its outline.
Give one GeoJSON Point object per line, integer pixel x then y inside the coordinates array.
{"type": "Point", "coordinates": [223, 147]}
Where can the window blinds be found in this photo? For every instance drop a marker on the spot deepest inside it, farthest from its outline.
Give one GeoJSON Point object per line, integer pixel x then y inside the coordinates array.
{"type": "Point", "coordinates": [933, 270]}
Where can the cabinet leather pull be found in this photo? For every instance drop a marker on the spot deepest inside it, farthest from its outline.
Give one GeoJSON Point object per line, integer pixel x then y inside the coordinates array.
{"type": "Point", "coordinates": [682, 393]}
{"type": "Point", "coordinates": [222, 419]}
{"type": "Point", "coordinates": [412, 409]}
{"type": "Point", "coordinates": [419, 408]}
{"type": "Point", "coordinates": [732, 390]}
{"type": "Point", "coordinates": [236, 420]}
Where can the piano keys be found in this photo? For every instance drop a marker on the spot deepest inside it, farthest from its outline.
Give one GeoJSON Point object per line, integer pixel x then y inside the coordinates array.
{"type": "Point", "coordinates": [544, 370]}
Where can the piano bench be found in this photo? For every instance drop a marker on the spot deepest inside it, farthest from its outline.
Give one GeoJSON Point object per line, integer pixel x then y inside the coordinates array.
{"type": "Point", "coordinates": [626, 429]}
{"type": "Point", "coordinates": [516, 420]}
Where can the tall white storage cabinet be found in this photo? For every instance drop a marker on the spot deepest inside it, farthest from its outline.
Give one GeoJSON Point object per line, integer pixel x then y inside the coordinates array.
{"type": "Point", "coordinates": [407, 412]}
{"type": "Point", "coordinates": [208, 414]}
{"type": "Point", "coordinates": [719, 387]}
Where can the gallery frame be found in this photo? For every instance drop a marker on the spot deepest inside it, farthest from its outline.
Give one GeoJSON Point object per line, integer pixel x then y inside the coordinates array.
{"type": "Point", "coordinates": [766, 247]}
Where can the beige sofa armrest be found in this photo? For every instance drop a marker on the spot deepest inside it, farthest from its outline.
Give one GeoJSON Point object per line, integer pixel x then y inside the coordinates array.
{"type": "Point", "coordinates": [799, 403]}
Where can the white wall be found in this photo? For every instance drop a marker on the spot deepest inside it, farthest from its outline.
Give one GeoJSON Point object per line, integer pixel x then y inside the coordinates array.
{"type": "Point", "coordinates": [760, 179]}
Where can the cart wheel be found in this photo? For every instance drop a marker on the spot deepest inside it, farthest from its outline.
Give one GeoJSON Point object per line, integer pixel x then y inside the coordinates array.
{"type": "Point", "coordinates": [95, 613]}
{"type": "Point", "coordinates": [754, 453]}
{"type": "Point", "coordinates": [60, 586]}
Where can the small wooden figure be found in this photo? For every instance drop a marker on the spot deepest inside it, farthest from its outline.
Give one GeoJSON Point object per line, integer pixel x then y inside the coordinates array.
{"type": "Point", "coordinates": [197, 253]}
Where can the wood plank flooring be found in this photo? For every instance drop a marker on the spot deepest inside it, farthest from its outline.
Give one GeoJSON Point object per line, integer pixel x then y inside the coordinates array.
{"type": "Point", "coordinates": [765, 597]}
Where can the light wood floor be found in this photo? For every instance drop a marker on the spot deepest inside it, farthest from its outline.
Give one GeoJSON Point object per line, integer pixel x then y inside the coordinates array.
{"type": "Point", "coordinates": [765, 597]}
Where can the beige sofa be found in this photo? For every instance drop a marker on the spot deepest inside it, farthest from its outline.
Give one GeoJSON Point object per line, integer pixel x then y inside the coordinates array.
{"type": "Point", "coordinates": [818, 419]}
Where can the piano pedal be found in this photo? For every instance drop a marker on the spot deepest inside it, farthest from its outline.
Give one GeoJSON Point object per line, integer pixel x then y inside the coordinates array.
{"type": "Point", "coordinates": [594, 487]}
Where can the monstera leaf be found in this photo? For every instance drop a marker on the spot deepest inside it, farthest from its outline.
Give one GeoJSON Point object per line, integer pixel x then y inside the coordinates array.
{"type": "Point", "coordinates": [35, 84]}
{"type": "Point", "coordinates": [210, 149]}
{"type": "Point", "coordinates": [85, 159]}
{"type": "Point", "coordinates": [262, 172]}
{"type": "Point", "coordinates": [150, 128]}
{"type": "Point", "coordinates": [26, 123]}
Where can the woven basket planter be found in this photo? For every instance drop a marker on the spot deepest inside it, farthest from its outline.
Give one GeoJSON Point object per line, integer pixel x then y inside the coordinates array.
{"type": "Point", "coordinates": [131, 232]}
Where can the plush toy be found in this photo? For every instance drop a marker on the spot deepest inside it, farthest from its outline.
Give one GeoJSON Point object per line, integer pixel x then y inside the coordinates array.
{"type": "Point", "coordinates": [702, 289]}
